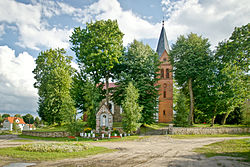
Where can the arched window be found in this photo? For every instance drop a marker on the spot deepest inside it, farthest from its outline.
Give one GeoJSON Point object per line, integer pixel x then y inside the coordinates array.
{"type": "Point", "coordinates": [164, 94]}
{"type": "Point", "coordinates": [162, 73]}
{"type": "Point", "coordinates": [164, 113]}
{"type": "Point", "coordinates": [167, 73]}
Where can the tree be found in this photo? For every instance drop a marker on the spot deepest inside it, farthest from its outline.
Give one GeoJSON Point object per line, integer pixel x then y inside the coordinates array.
{"type": "Point", "coordinates": [53, 81]}
{"type": "Point", "coordinates": [37, 121]}
{"type": "Point", "coordinates": [181, 116]}
{"type": "Point", "coordinates": [139, 65]}
{"type": "Point", "coordinates": [5, 116]}
{"type": "Point", "coordinates": [97, 48]}
{"type": "Point", "coordinates": [233, 59]}
{"type": "Point", "coordinates": [28, 119]}
{"type": "Point", "coordinates": [77, 91]}
{"type": "Point", "coordinates": [131, 109]}
{"type": "Point", "coordinates": [190, 57]}
{"type": "Point", "coordinates": [92, 101]}
{"type": "Point", "coordinates": [18, 115]}
{"type": "Point", "coordinates": [1, 119]}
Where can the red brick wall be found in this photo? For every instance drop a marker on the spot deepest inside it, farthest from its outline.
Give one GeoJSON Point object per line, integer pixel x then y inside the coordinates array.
{"type": "Point", "coordinates": [166, 84]}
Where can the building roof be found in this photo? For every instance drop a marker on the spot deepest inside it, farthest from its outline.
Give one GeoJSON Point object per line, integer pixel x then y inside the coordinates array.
{"type": "Point", "coordinates": [111, 85]}
{"type": "Point", "coordinates": [163, 42]}
{"type": "Point", "coordinates": [12, 119]}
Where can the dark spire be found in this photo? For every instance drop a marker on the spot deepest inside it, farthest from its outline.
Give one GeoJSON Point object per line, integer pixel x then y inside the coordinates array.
{"type": "Point", "coordinates": [163, 42]}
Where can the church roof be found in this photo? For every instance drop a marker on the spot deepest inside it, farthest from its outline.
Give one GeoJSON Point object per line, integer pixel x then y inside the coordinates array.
{"type": "Point", "coordinates": [163, 42]}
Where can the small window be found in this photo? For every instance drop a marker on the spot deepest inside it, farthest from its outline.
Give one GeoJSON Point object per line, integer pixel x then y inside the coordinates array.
{"type": "Point", "coordinates": [162, 73]}
{"type": "Point", "coordinates": [164, 94]}
{"type": "Point", "coordinates": [167, 73]}
{"type": "Point", "coordinates": [164, 113]}
{"type": "Point", "coordinates": [164, 59]}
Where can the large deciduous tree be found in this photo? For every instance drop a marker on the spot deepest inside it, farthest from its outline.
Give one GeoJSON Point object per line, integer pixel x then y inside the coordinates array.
{"type": "Point", "coordinates": [28, 119]}
{"type": "Point", "coordinates": [139, 65]}
{"type": "Point", "coordinates": [98, 47]}
{"type": "Point", "coordinates": [232, 57]}
{"type": "Point", "coordinates": [190, 57]}
{"type": "Point", "coordinates": [53, 81]}
{"type": "Point", "coordinates": [131, 109]}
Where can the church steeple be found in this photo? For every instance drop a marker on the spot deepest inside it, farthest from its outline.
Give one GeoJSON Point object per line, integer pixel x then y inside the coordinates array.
{"type": "Point", "coordinates": [163, 42]}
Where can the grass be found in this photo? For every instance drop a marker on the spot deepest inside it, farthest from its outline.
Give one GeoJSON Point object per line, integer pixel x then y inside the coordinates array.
{"type": "Point", "coordinates": [232, 148]}
{"type": "Point", "coordinates": [21, 140]}
{"type": "Point", "coordinates": [157, 125]}
{"type": "Point", "coordinates": [128, 138]}
{"type": "Point", "coordinates": [14, 152]}
{"type": "Point", "coordinates": [219, 126]}
{"type": "Point", "coordinates": [53, 128]}
{"type": "Point", "coordinates": [212, 135]}
{"type": "Point", "coordinates": [117, 124]}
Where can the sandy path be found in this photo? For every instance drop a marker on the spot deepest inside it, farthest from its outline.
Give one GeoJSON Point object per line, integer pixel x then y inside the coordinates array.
{"type": "Point", "coordinates": [154, 151]}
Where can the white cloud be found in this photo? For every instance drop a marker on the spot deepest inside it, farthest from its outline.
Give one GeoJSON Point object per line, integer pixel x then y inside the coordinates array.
{"type": "Point", "coordinates": [131, 25]}
{"type": "Point", "coordinates": [16, 81]}
{"type": "Point", "coordinates": [214, 19]}
{"type": "Point", "coordinates": [33, 29]}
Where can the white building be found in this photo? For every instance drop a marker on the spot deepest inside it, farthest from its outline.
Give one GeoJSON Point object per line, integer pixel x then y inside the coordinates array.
{"type": "Point", "coordinates": [9, 121]}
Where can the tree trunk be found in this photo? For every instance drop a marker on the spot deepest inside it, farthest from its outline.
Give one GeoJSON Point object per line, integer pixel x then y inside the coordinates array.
{"type": "Point", "coordinates": [223, 121]}
{"type": "Point", "coordinates": [107, 89]}
{"type": "Point", "coordinates": [191, 112]}
{"type": "Point", "coordinates": [213, 118]}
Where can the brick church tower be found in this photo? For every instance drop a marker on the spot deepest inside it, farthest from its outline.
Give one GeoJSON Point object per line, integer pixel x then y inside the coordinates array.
{"type": "Point", "coordinates": [166, 80]}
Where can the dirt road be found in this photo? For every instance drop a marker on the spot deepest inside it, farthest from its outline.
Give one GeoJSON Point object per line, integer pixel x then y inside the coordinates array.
{"type": "Point", "coordinates": [155, 151]}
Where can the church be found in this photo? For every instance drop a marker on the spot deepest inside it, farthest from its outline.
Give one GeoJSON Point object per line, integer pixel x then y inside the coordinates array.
{"type": "Point", "coordinates": [165, 106]}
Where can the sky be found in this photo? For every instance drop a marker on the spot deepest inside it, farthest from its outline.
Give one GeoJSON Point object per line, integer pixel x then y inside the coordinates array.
{"type": "Point", "coordinates": [28, 27]}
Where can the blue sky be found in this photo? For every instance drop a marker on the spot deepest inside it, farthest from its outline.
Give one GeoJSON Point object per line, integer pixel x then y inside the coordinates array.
{"type": "Point", "coordinates": [28, 27]}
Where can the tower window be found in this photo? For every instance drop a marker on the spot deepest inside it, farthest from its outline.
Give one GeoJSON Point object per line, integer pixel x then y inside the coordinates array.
{"type": "Point", "coordinates": [162, 73]}
{"type": "Point", "coordinates": [164, 94]}
{"type": "Point", "coordinates": [164, 113]}
{"type": "Point", "coordinates": [167, 73]}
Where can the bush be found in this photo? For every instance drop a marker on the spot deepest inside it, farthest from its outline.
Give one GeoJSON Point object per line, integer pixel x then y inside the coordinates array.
{"type": "Point", "coordinates": [181, 116]}
{"type": "Point", "coordinates": [54, 147]}
{"type": "Point", "coordinates": [75, 127]}
{"type": "Point", "coordinates": [87, 130]}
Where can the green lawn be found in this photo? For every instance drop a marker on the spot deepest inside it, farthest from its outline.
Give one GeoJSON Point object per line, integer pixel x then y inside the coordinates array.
{"type": "Point", "coordinates": [14, 152]}
{"type": "Point", "coordinates": [202, 136]}
{"type": "Point", "coordinates": [233, 148]}
{"type": "Point", "coordinates": [219, 126]}
{"type": "Point", "coordinates": [52, 128]}
{"type": "Point", "coordinates": [128, 138]}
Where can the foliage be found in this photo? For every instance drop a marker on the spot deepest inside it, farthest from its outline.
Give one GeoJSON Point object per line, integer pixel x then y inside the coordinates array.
{"type": "Point", "coordinates": [233, 148]}
{"type": "Point", "coordinates": [5, 115]}
{"type": "Point", "coordinates": [232, 57]}
{"type": "Point", "coordinates": [92, 101]}
{"type": "Point", "coordinates": [77, 91]}
{"type": "Point", "coordinates": [18, 115]}
{"type": "Point", "coordinates": [55, 147]}
{"type": "Point", "coordinates": [37, 121]}
{"type": "Point", "coordinates": [97, 48]}
{"type": "Point", "coordinates": [181, 116]}
{"type": "Point", "coordinates": [75, 127]}
{"type": "Point", "coordinates": [28, 119]}
{"type": "Point", "coordinates": [14, 152]}
{"type": "Point", "coordinates": [246, 112]}
{"type": "Point", "coordinates": [87, 130]}
{"type": "Point", "coordinates": [53, 80]}
{"type": "Point", "coordinates": [131, 109]}
{"type": "Point", "coordinates": [139, 65]}
{"type": "Point", "coordinates": [190, 57]}
{"type": "Point", "coordinates": [14, 128]}
{"type": "Point", "coordinates": [1, 119]}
